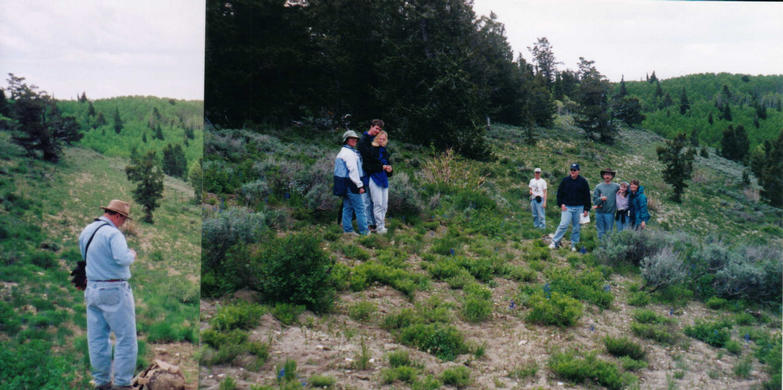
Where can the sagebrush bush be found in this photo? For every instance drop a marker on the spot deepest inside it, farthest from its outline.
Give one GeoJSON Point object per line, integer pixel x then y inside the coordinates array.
{"type": "Point", "coordinates": [255, 192]}
{"type": "Point", "coordinates": [756, 274]}
{"type": "Point", "coordinates": [560, 310]}
{"type": "Point", "coordinates": [663, 269]}
{"type": "Point", "coordinates": [629, 247]}
{"type": "Point", "coordinates": [293, 269]}
{"type": "Point", "coordinates": [443, 341]}
{"type": "Point", "coordinates": [404, 197]}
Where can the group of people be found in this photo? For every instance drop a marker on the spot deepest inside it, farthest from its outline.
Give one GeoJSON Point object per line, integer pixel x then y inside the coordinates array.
{"type": "Point", "coordinates": [623, 205]}
{"type": "Point", "coordinates": [362, 170]}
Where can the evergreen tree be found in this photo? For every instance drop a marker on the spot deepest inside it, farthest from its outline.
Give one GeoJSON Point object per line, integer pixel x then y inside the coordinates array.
{"type": "Point", "coordinates": [144, 137]}
{"type": "Point", "coordinates": [695, 137]}
{"type": "Point", "coordinates": [593, 115]}
{"type": "Point", "coordinates": [709, 118]}
{"type": "Point", "coordinates": [91, 110]}
{"type": "Point", "coordinates": [189, 133]}
{"type": "Point", "coordinates": [101, 120]}
{"type": "Point", "coordinates": [761, 111]}
{"type": "Point", "coordinates": [158, 133]}
{"type": "Point", "coordinates": [653, 79]}
{"type": "Point", "coordinates": [684, 104]}
{"type": "Point", "coordinates": [623, 91]}
{"type": "Point", "coordinates": [149, 178]}
{"type": "Point", "coordinates": [734, 143]}
{"type": "Point", "coordinates": [566, 83]}
{"type": "Point", "coordinates": [667, 100]}
{"type": "Point", "coordinates": [767, 165]}
{"type": "Point", "coordinates": [174, 163]}
{"type": "Point", "coordinates": [544, 58]}
{"type": "Point", "coordinates": [725, 112]}
{"type": "Point", "coordinates": [39, 126]}
{"type": "Point", "coordinates": [4, 105]}
{"type": "Point", "coordinates": [677, 158]}
{"type": "Point", "coordinates": [627, 109]}
{"type": "Point", "coordinates": [117, 120]}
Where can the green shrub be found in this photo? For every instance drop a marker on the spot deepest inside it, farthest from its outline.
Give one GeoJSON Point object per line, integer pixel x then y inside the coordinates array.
{"type": "Point", "coordinates": [404, 281]}
{"type": "Point", "coordinates": [428, 383]}
{"type": "Point", "coordinates": [31, 365]}
{"type": "Point", "coordinates": [560, 310]}
{"type": "Point", "coordinates": [228, 384]}
{"type": "Point", "coordinates": [355, 252]}
{"type": "Point", "coordinates": [323, 381]}
{"type": "Point", "coordinates": [639, 298]}
{"type": "Point", "coordinates": [400, 373]}
{"type": "Point", "coordinates": [215, 338]}
{"type": "Point", "coordinates": [362, 311]}
{"type": "Point", "coordinates": [399, 358]}
{"type": "Point", "coordinates": [405, 200]}
{"type": "Point", "coordinates": [734, 347]}
{"type": "Point", "coordinates": [653, 332]}
{"type": "Point", "coordinates": [443, 341]}
{"type": "Point", "coordinates": [522, 274]}
{"type": "Point", "coordinates": [646, 316]}
{"type": "Point", "coordinates": [743, 367]}
{"type": "Point", "coordinates": [623, 346]}
{"type": "Point", "coordinates": [238, 315]}
{"type": "Point", "coordinates": [716, 334]}
{"type": "Point", "coordinates": [476, 309]}
{"type": "Point", "coordinates": [744, 319]}
{"type": "Point", "coordinates": [571, 366]}
{"type": "Point", "coordinates": [715, 303]}
{"type": "Point", "coordinates": [630, 364]}
{"type": "Point", "coordinates": [294, 269]}
{"type": "Point", "coordinates": [287, 313]}
{"type": "Point", "coordinates": [588, 285]}
{"type": "Point", "coordinates": [458, 376]}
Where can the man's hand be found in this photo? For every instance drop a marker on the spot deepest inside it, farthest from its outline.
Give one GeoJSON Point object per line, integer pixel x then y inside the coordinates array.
{"type": "Point", "coordinates": [387, 168]}
{"type": "Point", "coordinates": [132, 253]}
{"type": "Point", "coordinates": [562, 207]}
{"type": "Point", "coordinates": [585, 213]}
{"type": "Point", "coordinates": [361, 190]}
{"type": "Point", "coordinates": [643, 225]}
{"type": "Point", "coordinates": [543, 204]}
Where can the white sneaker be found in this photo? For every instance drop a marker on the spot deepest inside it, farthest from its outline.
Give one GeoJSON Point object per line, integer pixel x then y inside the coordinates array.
{"type": "Point", "coordinates": [573, 248]}
{"type": "Point", "coordinates": [553, 245]}
{"type": "Point", "coordinates": [381, 231]}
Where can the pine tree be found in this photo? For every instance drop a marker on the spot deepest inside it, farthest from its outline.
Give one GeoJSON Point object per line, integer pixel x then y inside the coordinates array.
{"type": "Point", "coordinates": [767, 165]}
{"type": "Point", "coordinates": [83, 98]}
{"type": "Point", "coordinates": [653, 78]}
{"type": "Point", "coordinates": [594, 116]}
{"type": "Point", "coordinates": [667, 100]}
{"type": "Point", "coordinates": [101, 120]}
{"type": "Point", "coordinates": [158, 133]}
{"type": "Point", "coordinates": [735, 143]}
{"type": "Point", "coordinates": [149, 178]}
{"type": "Point", "coordinates": [684, 104]}
{"type": "Point", "coordinates": [91, 110]}
{"type": "Point", "coordinates": [544, 58]}
{"type": "Point", "coordinates": [117, 120]}
{"type": "Point", "coordinates": [195, 179]}
{"type": "Point", "coordinates": [174, 162]}
{"type": "Point", "coordinates": [658, 89]}
{"type": "Point", "coordinates": [623, 91]}
{"type": "Point", "coordinates": [144, 137]}
{"type": "Point", "coordinates": [709, 119]}
{"type": "Point", "coordinates": [4, 105]}
{"type": "Point", "coordinates": [677, 158]}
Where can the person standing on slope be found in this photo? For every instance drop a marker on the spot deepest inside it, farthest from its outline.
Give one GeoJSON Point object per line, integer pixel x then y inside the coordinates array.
{"type": "Point", "coordinates": [573, 197]}
{"type": "Point", "coordinates": [366, 150]}
{"type": "Point", "coordinates": [604, 198]}
{"type": "Point", "coordinates": [537, 188]}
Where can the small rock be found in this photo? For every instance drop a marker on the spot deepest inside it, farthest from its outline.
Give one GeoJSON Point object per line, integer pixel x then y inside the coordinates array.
{"type": "Point", "coordinates": [559, 383]}
{"type": "Point", "coordinates": [221, 375]}
{"type": "Point", "coordinates": [348, 359]}
{"type": "Point", "coordinates": [522, 342]}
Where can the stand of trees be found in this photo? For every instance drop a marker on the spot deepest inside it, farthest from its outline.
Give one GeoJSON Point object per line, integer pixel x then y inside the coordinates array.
{"type": "Point", "coordinates": [678, 158]}
{"type": "Point", "coordinates": [35, 121]}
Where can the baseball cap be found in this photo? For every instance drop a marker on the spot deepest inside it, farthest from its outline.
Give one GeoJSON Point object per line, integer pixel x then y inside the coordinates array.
{"type": "Point", "coordinates": [575, 166]}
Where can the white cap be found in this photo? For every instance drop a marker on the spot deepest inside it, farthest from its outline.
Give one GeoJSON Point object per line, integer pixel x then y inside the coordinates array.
{"type": "Point", "coordinates": [537, 170]}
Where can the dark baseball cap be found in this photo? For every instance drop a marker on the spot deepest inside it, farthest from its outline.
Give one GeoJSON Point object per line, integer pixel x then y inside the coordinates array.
{"type": "Point", "coordinates": [575, 166]}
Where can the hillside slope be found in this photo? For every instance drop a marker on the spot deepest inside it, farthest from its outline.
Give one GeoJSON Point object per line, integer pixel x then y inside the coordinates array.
{"type": "Point", "coordinates": [463, 291]}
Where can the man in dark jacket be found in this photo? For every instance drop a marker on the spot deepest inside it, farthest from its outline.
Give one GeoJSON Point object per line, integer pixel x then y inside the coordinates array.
{"type": "Point", "coordinates": [573, 197]}
{"type": "Point", "coordinates": [366, 151]}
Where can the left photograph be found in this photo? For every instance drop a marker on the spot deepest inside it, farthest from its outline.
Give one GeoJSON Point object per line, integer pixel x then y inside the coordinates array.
{"type": "Point", "coordinates": [101, 141]}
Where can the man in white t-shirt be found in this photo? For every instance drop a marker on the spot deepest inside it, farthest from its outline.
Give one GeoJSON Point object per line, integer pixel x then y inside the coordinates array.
{"type": "Point", "coordinates": [538, 199]}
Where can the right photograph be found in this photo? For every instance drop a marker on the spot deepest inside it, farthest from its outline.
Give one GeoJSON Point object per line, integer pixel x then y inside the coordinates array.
{"type": "Point", "coordinates": [491, 194]}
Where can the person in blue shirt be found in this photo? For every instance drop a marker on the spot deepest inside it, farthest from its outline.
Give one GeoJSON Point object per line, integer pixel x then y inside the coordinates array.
{"type": "Point", "coordinates": [109, 299]}
{"type": "Point", "coordinates": [638, 206]}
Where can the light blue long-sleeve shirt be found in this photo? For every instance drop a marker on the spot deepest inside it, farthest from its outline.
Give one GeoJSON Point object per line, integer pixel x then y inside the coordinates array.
{"type": "Point", "coordinates": [109, 256]}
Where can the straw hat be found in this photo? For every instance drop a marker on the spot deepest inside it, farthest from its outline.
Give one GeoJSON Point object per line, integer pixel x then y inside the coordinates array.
{"type": "Point", "coordinates": [609, 171]}
{"type": "Point", "coordinates": [118, 206]}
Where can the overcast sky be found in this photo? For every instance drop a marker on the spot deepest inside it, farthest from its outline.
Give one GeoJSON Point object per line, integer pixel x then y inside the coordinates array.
{"type": "Point", "coordinates": [635, 37]}
{"type": "Point", "coordinates": [106, 48]}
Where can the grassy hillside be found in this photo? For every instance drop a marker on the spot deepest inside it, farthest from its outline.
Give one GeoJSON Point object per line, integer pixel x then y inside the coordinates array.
{"type": "Point", "coordinates": [43, 321]}
{"type": "Point", "coordinates": [463, 291]}
{"type": "Point", "coordinates": [702, 91]}
{"type": "Point", "coordinates": [139, 120]}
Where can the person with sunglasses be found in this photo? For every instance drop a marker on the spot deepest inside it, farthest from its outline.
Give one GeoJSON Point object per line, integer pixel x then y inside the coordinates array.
{"type": "Point", "coordinates": [573, 198]}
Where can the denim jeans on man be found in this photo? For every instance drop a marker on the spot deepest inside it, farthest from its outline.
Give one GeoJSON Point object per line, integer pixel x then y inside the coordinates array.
{"type": "Point", "coordinates": [539, 214]}
{"type": "Point", "coordinates": [110, 307]}
{"type": "Point", "coordinates": [368, 206]}
{"type": "Point", "coordinates": [571, 215]}
{"type": "Point", "coordinates": [604, 223]}
{"type": "Point", "coordinates": [620, 226]}
{"type": "Point", "coordinates": [354, 203]}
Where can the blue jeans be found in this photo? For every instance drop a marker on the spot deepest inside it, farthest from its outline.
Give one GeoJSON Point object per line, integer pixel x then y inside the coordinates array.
{"type": "Point", "coordinates": [604, 223]}
{"type": "Point", "coordinates": [110, 308]}
{"type": "Point", "coordinates": [539, 214]}
{"type": "Point", "coordinates": [354, 203]}
{"type": "Point", "coordinates": [570, 216]}
{"type": "Point", "coordinates": [368, 206]}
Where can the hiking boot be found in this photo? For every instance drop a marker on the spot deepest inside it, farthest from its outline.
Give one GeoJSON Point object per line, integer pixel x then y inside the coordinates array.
{"type": "Point", "coordinates": [553, 245]}
{"type": "Point", "coordinates": [382, 231]}
{"type": "Point", "coordinates": [573, 248]}
{"type": "Point", "coordinates": [105, 386]}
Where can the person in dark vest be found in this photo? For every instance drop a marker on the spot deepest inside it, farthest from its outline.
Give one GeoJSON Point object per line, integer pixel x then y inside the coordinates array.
{"type": "Point", "coordinates": [368, 156]}
{"type": "Point", "coordinates": [573, 198]}
{"type": "Point", "coordinates": [109, 299]}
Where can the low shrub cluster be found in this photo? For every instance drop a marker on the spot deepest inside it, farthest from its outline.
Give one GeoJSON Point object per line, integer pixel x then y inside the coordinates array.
{"type": "Point", "coordinates": [559, 309]}
{"type": "Point", "coordinates": [623, 346]}
{"type": "Point", "coordinates": [628, 247]}
{"type": "Point", "coordinates": [649, 325]}
{"type": "Point", "coordinates": [588, 285]}
{"type": "Point", "coordinates": [232, 346]}
{"type": "Point", "coordinates": [458, 376]}
{"type": "Point", "coordinates": [483, 269]}
{"type": "Point", "coordinates": [716, 333]}
{"type": "Point", "coordinates": [427, 328]}
{"type": "Point", "coordinates": [363, 275]}
{"type": "Point", "coordinates": [477, 303]}
{"type": "Point", "coordinates": [578, 368]}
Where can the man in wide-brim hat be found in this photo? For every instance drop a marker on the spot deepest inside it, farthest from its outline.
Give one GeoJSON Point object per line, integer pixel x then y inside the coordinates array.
{"type": "Point", "coordinates": [109, 299]}
{"type": "Point", "coordinates": [604, 199]}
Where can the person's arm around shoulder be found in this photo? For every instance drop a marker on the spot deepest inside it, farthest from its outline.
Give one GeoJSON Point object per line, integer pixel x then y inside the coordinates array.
{"type": "Point", "coordinates": [119, 248]}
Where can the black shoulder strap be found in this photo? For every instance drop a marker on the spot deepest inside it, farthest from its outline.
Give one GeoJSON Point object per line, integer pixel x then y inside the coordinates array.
{"type": "Point", "coordinates": [91, 237]}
